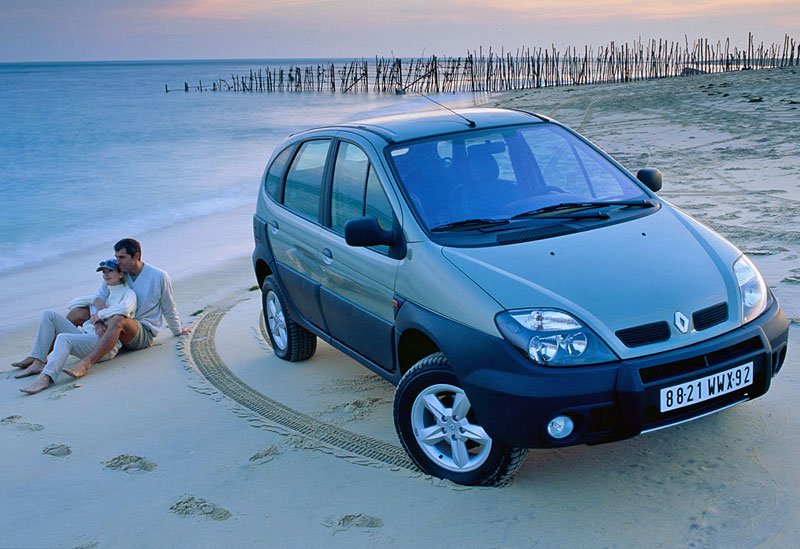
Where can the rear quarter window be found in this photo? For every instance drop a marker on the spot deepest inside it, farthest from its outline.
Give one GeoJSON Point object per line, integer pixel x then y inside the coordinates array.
{"type": "Point", "coordinates": [275, 174]}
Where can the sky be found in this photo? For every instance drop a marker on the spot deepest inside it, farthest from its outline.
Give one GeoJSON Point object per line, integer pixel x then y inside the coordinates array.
{"type": "Point", "coordinates": [87, 30]}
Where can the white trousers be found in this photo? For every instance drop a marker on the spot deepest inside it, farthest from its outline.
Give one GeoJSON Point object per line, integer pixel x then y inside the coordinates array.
{"type": "Point", "coordinates": [66, 339]}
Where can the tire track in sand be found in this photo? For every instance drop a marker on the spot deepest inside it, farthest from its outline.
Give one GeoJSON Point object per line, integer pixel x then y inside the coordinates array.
{"type": "Point", "coordinates": [202, 355]}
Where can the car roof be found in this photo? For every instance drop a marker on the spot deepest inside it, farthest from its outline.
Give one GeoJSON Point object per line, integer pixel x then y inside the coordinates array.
{"type": "Point", "coordinates": [415, 125]}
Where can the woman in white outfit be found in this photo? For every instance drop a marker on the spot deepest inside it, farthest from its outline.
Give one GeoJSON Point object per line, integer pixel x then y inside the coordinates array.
{"type": "Point", "coordinates": [66, 339]}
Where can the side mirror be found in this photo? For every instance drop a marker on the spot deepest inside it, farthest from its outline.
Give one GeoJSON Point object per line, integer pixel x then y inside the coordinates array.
{"type": "Point", "coordinates": [365, 231]}
{"type": "Point", "coordinates": [651, 177]}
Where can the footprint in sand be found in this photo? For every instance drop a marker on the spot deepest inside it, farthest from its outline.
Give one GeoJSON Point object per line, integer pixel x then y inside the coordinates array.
{"type": "Point", "coordinates": [362, 384]}
{"type": "Point", "coordinates": [266, 455]}
{"type": "Point", "coordinates": [357, 520]}
{"type": "Point", "coordinates": [14, 421]}
{"type": "Point", "coordinates": [57, 450]}
{"type": "Point", "coordinates": [61, 391]}
{"type": "Point", "coordinates": [191, 505]}
{"type": "Point", "coordinates": [354, 410]}
{"type": "Point", "coordinates": [130, 464]}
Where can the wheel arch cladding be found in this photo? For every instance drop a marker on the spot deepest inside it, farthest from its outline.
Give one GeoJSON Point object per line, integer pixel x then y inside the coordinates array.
{"type": "Point", "coordinates": [412, 346]}
{"type": "Point", "coordinates": [262, 271]}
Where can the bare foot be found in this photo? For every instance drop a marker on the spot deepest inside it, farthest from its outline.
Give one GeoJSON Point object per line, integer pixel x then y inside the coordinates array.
{"type": "Point", "coordinates": [24, 363]}
{"type": "Point", "coordinates": [35, 367]}
{"type": "Point", "coordinates": [79, 370]}
{"type": "Point", "coordinates": [40, 384]}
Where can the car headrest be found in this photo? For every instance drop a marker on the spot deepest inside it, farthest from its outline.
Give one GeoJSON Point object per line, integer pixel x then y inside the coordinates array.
{"type": "Point", "coordinates": [483, 167]}
{"type": "Point", "coordinates": [487, 147]}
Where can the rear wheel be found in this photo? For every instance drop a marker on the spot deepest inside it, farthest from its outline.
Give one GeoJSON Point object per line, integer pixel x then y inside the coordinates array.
{"type": "Point", "coordinates": [438, 428]}
{"type": "Point", "coordinates": [289, 340]}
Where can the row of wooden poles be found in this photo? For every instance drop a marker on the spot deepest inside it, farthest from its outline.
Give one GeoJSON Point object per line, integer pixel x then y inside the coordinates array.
{"type": "Point", "coordinates": [524, 69]}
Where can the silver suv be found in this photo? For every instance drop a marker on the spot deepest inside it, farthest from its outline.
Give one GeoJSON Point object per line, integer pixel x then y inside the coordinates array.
{"type": "Point", "coordinates": [519, 286]}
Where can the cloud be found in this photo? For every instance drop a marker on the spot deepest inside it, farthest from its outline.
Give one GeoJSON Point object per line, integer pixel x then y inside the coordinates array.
{"type": "Point", "coordinates": [121, 29]}
{"type": "Point", "coordinates": [226, 9]}
{"type": "Point", "coordinates": [657, 9]}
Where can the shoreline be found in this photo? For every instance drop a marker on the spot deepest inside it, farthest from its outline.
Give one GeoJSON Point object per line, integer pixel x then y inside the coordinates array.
{"type": "Point", "coordinates": [185, 250]}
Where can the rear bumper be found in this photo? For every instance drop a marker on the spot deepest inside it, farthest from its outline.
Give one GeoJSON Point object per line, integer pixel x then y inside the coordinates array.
{"type": "Point", "coordinates": [514, 399]}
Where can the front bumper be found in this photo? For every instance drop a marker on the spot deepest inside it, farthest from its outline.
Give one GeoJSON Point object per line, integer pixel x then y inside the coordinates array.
{"type": "Point", "coordinates": [514, 399]}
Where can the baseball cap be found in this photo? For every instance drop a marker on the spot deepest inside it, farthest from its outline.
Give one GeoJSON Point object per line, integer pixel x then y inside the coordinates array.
{"type": "Point", "coordinates": [110, 264]}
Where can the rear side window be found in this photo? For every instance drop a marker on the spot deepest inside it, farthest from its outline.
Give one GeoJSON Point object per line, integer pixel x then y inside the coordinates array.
{"type": "Point", "coordinates": [275, 173]}
{"type": "Point", "coordinates": [304, 180]}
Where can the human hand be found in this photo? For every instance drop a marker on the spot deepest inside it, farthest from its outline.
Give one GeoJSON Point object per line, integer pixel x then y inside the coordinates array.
{"type": "Point", "coordinates": [100, 328]}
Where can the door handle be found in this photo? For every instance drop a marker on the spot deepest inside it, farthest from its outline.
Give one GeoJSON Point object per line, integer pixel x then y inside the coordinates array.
{"type": "Point", "coordinates": [273, 227]}
{"type": "Point", "coordinates": [327, 256]}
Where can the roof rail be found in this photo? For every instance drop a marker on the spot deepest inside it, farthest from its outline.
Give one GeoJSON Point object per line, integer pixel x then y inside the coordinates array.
{"type": "Point", "coordinates": [541, 117]}
{"type": "Point", "coordinates": [377, 130]}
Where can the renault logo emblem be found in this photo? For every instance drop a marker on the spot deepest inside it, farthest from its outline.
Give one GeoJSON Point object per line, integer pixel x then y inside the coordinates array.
{"type": "Point", "coordinates": [681, 322]}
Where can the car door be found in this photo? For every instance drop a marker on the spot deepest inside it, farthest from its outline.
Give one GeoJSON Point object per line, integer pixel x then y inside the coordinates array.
{"type": "Point", "coordinates": [294, 228]}
{"type": "Point", "coordinates": [358, 283]}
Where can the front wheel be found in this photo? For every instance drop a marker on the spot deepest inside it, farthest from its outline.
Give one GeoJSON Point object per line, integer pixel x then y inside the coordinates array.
{"type": "Point", "coordinates": [289, 340]}
{"type": "Point", "coordinates": [438, 428]}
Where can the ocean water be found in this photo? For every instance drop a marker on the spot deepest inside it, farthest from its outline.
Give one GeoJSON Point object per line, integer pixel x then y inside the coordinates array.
{"type": "Point", "coordinates": [92, 152]}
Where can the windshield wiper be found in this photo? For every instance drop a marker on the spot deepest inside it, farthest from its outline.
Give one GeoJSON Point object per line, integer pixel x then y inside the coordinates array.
{"type": "Point", "coordinates": [582, 207]}
{"type": "Point", "coordinates": [476, 223]}
{"type": "Point", "coordinates": [580, 213]}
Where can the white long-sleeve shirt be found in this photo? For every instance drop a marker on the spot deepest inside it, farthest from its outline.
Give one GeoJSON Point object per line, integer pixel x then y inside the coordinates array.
{"type": "Point", "coordinates": [155, 301]}
{"type": "Point", "coordinates": [120, 300]}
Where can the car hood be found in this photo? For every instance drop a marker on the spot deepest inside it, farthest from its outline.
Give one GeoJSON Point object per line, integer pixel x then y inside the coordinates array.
{"type": "Point", "coordinates": [616, 277]}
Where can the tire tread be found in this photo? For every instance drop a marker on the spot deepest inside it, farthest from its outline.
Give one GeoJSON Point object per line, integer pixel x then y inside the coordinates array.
{"type": "Point", "coordinates": [301, 344]}
{"type": "Point", "coordinates": [509, 463]}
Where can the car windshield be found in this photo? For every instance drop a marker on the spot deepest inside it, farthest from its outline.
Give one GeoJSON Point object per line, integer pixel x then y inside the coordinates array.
{"type": "Point", "coordinates": [497, 174]}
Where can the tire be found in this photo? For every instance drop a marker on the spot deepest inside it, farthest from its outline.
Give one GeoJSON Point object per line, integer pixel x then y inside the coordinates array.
{"type": "Point", "coordinates": [289, 340]}
{"type": "Point", "coordinates": [438, 429]}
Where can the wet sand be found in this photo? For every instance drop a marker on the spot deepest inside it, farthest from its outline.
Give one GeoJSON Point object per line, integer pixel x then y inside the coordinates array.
{"type": "Point", "coordinates": [211, 439]}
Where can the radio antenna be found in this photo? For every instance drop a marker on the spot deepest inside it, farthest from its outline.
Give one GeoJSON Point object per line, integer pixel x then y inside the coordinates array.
{"type": "Point", "coordinates": [470, 123]}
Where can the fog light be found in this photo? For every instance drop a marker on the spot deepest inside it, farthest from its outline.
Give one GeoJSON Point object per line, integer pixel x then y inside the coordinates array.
{"type": "Point", "coordinates": [560, 427]}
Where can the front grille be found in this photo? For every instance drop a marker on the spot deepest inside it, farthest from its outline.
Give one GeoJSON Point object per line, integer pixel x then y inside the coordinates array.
{"type": "Point", "coordinates": [644, 334]}
{"type": "Point", "coordinates": [660, 331]}
{"type": "Point", "coordinates": [731, 354]}
{"type": "Point", "coordinates": [655, 378]}
{"type": "Point", "coordinates": [710, 316]}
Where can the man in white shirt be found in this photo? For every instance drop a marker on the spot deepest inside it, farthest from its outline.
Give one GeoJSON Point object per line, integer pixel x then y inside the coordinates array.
{"type": "Point", "coordinates": [155, 303]}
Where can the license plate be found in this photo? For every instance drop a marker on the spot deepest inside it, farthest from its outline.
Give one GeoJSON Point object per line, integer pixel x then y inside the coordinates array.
{"type": "Point", "coordinates": [706, 388]}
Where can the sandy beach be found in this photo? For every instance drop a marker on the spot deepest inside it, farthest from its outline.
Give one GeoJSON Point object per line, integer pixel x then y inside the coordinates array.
{"type": "Point", "coordinates": [209, 439]}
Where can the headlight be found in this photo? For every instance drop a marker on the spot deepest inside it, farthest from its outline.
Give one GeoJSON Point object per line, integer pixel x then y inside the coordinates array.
{"type": "Point", "coordinates": [553, 338]}
{"type": "Point", "coordinates": [752, 289]}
